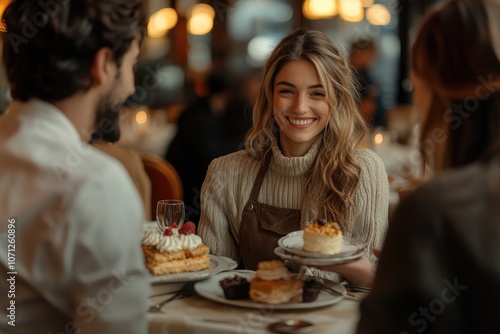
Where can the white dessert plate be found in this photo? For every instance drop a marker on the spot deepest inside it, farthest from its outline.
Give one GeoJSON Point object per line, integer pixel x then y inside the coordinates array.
{"type": "Point", "coordinates": [217, 264]}
{"type": "Point", "coordinates": [210, 289]}
{"type": "Point", "coordinates": [314, 261]}
{"type": "Point", "coordinates": [294, 241]}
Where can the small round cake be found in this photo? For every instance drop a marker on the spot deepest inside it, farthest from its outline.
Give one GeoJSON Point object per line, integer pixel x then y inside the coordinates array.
{"type": "Point", "coordinates": [322, 237]}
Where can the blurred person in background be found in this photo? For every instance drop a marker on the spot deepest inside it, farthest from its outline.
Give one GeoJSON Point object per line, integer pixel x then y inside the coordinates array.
{"type": "Point", "coordinates": [362, 56]}
{"type": "Point", "coordinates": [439, 267]}
{"type": "Point", "coordinates": [201, 136]}
{"type": "Point", "coordinates": [238, 116]}
{"type": "Point", "coordinates": [71, 211]}
{"type": "Point", "coordinates": [301, 161]}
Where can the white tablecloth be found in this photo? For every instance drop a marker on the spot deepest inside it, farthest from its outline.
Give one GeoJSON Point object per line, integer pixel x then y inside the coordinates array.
{"type": "Point", "coordinates": [201, 316]}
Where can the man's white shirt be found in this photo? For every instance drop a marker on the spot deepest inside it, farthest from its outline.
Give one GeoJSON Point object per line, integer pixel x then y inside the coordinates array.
{"type": "Point", "coordinates": [77, 231]}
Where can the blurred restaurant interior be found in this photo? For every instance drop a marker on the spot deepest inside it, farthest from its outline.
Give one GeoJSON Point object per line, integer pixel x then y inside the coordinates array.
{"type": "Point", "coordinates": [196, 81]}
{"type": "Point", "coordinates": [188, 39]}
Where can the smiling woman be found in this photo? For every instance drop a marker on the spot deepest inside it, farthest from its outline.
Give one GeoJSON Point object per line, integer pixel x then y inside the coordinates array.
{"type": "Point", "coordinates": [300, 107]}
{"type": "Point", "coordinates": [301, 159]}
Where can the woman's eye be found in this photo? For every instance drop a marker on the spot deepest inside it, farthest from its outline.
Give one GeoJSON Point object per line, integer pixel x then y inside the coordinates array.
{"type": "Point", "coordinates": [285, 91]}
{"type": "Point", "coordinates": [318, 94]}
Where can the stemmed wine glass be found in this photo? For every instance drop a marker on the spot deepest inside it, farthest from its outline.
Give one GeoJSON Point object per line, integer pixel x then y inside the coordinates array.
{"type": "Point", "coordinates": [169, 212]}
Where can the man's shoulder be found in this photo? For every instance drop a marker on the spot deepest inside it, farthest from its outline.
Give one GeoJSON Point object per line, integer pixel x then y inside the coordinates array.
{"type": "Point", "coordinates": [103, 182]}
{"type": "Point", "coordinates": [90, 164]}
{"type": "Point", "coordinates": [126, 156]}
{"type": "Point", "coordinates": [105, 169]}
{"type": "Point", "coordinates": [94, 178]}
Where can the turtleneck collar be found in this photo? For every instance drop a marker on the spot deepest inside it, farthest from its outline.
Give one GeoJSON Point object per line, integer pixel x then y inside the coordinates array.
{"type": "Point", "coordinates": [293, 166]}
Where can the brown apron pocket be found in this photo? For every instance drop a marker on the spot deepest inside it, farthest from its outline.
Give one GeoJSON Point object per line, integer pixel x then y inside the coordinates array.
{"type": "Point", "coordinates": [278, 220]}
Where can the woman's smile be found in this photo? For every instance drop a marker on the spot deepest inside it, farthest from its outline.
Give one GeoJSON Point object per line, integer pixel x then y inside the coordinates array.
{"type": "Point", "coordinates": [300, 123]}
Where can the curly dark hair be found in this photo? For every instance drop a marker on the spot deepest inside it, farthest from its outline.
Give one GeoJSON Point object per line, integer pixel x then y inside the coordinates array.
{"type": "Point", "coordinates": [49, 45]}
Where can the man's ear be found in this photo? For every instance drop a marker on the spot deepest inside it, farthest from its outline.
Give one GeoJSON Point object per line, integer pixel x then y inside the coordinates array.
{"type": "Point", "coordinates": [103, 67]}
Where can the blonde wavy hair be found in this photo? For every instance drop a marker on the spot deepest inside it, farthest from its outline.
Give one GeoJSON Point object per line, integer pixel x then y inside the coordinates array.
{"type": "Point", "coordinates": [335, 168]}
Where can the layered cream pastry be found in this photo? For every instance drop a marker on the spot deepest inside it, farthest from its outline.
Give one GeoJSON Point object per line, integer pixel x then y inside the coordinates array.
{"type": "Point", "coordinates": [175, 251]}
{"type": "Point", "coordinates": [322, 237]}
{"type": "Point", "coordinates": [274, 284]}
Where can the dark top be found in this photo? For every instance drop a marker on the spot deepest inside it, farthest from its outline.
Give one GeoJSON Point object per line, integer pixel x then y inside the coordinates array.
{"type": "Point", "coordinates": [440, 266]}
{"type": "Point", "coordinates": [366, 86]}
{"type": "Point", "coordinates": [201, 137]}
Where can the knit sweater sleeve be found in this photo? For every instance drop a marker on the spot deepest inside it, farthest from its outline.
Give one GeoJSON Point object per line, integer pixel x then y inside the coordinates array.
{"type": "Point", "coordinates": [214, 227]}
{"type": "Point", "coordinates": [372, 201]}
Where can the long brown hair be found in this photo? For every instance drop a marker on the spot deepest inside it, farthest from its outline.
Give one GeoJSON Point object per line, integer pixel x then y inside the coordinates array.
{"type": "Point", "coordinates": [454, 55]}
{"type": "Point", "coordinates": [335, 168]}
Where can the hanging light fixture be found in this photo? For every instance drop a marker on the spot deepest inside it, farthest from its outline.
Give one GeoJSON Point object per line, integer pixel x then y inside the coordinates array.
{"type": "Point", "coordinates": [351, 10]}
{"type": "Point", "coordinates": [378, 15]}
{"type": "Point", "coordinates": [306, 11]}
{"type": "Point", "coordinates": [203, 9]}
{"type": "Point", "coordinates": [348, 10]}
{"type": "Point", "coordinates": [201, 19]}
{"type": "Point", "coordinates": [319, 9]}
{"type": "Point", "coordinates": [161, 22]}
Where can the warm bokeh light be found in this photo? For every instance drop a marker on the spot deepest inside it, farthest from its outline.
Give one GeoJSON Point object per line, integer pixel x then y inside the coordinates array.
{"type": "Point", "coordinates": [161, 22]}
{"type": "Point", "coordinates": [379, 138]}
{"type": "Point", "coordinates": [200, 24]}
{"type": "Point", "coordinates": [319, 9]}
{"type": "Point", "coordinates": [3, 5]}
{"type": "Point", "coordinates": [366, 3]}
{"type": "Point", "coordinates": [378, 15]}
{"type": "Point", "coordinates": [203, 9]}
{"type": "Point", "coordinates": [141, 117]}
{"type": "Point", "coordinates": [201, 19]}
{"type": "Point", "coordinates": [351, 10]}
{"type": "Point", "coordinates": [306, 11]}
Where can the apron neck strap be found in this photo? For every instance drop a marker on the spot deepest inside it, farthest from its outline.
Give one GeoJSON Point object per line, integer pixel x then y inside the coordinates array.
{"type": "Point", "coordinates": [254, 195]}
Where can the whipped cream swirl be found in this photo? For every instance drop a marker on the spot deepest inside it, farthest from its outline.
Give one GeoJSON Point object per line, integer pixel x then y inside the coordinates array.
{"type": "Point", "coordinates": [172, 243]}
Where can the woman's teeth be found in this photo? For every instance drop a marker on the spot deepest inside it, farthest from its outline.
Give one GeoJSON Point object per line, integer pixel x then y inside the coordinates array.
{"type": "Point", "coordinates": [301, 122]}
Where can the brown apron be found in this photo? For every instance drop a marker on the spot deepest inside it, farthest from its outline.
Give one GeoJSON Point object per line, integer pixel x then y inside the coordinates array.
{"type": "Point", "coordinates": [262, 225]}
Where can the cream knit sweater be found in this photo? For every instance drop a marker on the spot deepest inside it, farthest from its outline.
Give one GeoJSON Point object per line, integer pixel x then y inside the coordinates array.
{"type": "Point", "coordinates": [230, 178]}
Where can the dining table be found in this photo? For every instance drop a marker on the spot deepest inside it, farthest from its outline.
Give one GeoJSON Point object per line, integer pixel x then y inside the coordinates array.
{"type": "Point", "coordinates": [196, 314]}
{"type": "Point", "coordinates": [336, 309]}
